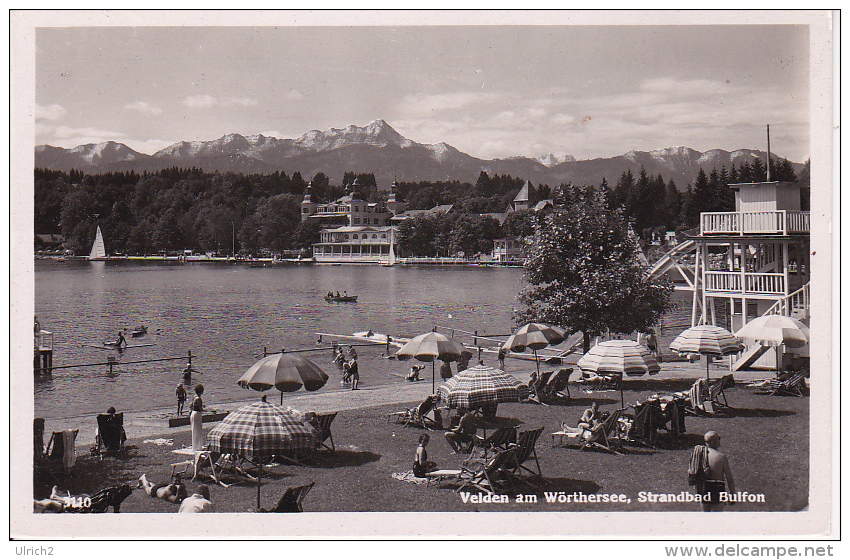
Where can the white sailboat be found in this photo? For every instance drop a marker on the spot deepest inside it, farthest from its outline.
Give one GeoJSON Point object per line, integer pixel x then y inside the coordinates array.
{"type": "Point", "coordinates": [98, 249]}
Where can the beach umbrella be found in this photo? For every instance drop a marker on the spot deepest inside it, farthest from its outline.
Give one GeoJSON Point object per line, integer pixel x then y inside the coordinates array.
{"type": "Point", "coordinates": [433, 346]}
{"type": "Point", "coordinates": [621, 357]}
{"type": "Point", "coordinates": [708, 340]}
{"type": "Point", "coordinates": [480, 386]}
{"type": "Point", "coordinates": [261, 430]}
{"type": "Point", "coordinates": [285, 372]}
{"type": "Point", "coordinates": [776, 330]}
{"type": "Point", "coordinates": [535, 336]}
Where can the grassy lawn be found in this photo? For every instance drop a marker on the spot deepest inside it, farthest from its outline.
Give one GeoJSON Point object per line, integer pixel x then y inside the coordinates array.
{"type": "Point", "coordinates": [765, 437]}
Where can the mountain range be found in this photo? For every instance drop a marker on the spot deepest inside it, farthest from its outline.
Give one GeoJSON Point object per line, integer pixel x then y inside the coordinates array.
{"type": "Point", "coordinates": [377, 148]}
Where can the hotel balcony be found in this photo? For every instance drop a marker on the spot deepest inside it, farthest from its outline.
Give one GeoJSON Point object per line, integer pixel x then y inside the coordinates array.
{"type": "Point", "coordinates": [751, 283]}
{"type": "Point", "coordinates": [770, 222]}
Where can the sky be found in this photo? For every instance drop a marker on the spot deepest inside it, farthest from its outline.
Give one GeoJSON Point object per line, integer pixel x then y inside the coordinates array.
{"type": "Point", "coordinates": [489, 91]}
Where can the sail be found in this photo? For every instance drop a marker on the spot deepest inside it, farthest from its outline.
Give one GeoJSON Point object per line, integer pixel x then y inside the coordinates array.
{"type": "Point", "coordinates": [98, 250]}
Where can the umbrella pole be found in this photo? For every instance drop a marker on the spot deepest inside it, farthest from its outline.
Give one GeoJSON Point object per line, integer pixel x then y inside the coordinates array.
{"type": "Point", "coordinates": [537, 361]}
{"type": "Point", "coordinates": [622, 396]}
{"type": "Point", "coordinates": [281, 398]}
{"type": "Point", "coordinates": [433, 376]}
{"type": "Point", "coordinates": [259, 485]}
{"type": "Point", "coordinates": [707, 363]}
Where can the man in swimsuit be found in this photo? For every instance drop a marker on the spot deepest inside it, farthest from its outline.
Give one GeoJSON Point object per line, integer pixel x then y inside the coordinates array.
{"type": "Point", "coordinates": [121, 340]}
{"type": "Point", "coordinates": [460, 439]}
{"type": "Point", "coordinates": [174, 492]}
{"type": "Point", "coordinates": [591, 417]}
{"type": "Point", "coordinates": [721, 474]}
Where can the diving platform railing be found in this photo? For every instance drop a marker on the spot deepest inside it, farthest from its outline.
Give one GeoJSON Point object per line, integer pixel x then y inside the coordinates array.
{"type": "Point", "coordinates": [772, 222]}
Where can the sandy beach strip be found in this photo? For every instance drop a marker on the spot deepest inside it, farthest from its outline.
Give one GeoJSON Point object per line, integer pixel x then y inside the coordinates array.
{"type": "Point", "coordinates": [150, 423]}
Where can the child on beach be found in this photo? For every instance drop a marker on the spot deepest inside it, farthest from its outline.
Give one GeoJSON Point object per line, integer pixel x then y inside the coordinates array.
{"type": "Point", "coordinates": [415, 370]}
{"type": "Point", "coordinates": [181, 398]}
{"type": "Point", "coordinates": [421, 464]}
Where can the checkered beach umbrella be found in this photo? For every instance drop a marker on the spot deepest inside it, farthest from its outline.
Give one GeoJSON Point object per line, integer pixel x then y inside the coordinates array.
{"type": "Point", "coordinates": [481, 385]}
{"type": "Point", "coordinates": [776, 330]}
{"type": "Point", "coordinates": [708, 340]}
{"type": "Point", "coordinates": [261, 430]}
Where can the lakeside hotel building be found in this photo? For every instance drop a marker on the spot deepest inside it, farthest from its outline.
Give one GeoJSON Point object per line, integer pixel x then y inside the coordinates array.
{"type": "Point", "coordinates": [356, 231]}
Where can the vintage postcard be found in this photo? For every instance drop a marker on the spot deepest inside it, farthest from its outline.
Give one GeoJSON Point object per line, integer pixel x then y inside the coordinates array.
{"type": "Point", "coordinates": [423, 274]}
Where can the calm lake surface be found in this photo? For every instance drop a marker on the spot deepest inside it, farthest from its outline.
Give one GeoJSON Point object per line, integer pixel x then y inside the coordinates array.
{"type": "Point", "coordinates": [225, 314]}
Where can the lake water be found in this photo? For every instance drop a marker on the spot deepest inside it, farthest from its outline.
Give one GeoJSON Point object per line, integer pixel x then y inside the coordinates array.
{"type": "Point", "coordinates": [225, 314]}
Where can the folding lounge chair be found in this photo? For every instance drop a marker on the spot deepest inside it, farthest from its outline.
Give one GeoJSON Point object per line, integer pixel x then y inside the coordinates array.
{"type": "Point", "coordinates": [417, 416]}
{"type": "Point", "coordinates": [325, 421]}
{"type": "Point", "coordinates": [61, 451]}
{"type": "Point", "coordinates": [490, 475]}
{"type": "Point", "coordinates": [501, 438]}
{"type": "Point", "coordinates": [558, 384]}
{"type": "Point", "coordinates": [794, 385]}
{"type": "Point", "coordinates": [537, 385]}
{"type": "Point", "coordinates": [292, 500]}
{"type": "Point", "coordinates": [598, 437]}
{"type": "Point", "coordinates": [699, 401]}
{"type": "Point", "coordinates": [602, 435]}
{"type": "Point", "coordinates": [110, 434]}
{"type": "Point", "coordinates": [715, 390]}
{"type": "Point", "coordinates": [526, 448]}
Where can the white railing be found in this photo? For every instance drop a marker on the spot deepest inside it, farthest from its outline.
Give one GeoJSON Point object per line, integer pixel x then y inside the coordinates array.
{"type": "Point", "coordinates": [798, 299]}
{"type": "Point", "coordinates": [765, 282]}
{"type": "Point", "coordinates": [768, 221]}
{"type": "Point", "coordinates": [752, 282]}
{"type": "Point", "coordinates": [723, 281]}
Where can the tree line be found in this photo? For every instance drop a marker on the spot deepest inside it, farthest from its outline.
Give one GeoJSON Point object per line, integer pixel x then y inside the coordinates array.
{"type": "Point", "coordinates": [188, 208]}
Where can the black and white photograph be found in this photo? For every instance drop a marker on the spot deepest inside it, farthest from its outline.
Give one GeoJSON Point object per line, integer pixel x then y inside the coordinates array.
{"type": "Point", "coordinates": [423, 274]}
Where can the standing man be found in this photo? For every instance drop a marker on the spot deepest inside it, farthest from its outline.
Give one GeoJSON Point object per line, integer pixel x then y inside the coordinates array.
{"type": "Point", "coordinates": [502, 354]}
{"type": "Point", "coordinates": [181, 398]}
{"type": "Point", "coordinates": [353, 373]}
{"type": "Point", "coordinates": [721, 474]}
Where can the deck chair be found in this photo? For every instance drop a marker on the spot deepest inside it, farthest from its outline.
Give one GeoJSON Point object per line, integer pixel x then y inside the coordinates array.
{"type": "Point", "coordinates": [325, 421]}
{"type": "Point", "coordinates": [61, 451]}
{"type": "Point", "coordinates": [526, 448]}
{"type": "Point", "coordinates": [110, 434]}
{"type": "Point", "coordinates": [715, 390]}
{"type": "Point", "coordinates": [558, 384]}
{"type": "Point", "coordinates": [536, 386]}
{"type": "Point", "coordinates": [292, 500]}
{"type": "Point", "coordinates": [417, 416]}
{"type": "Point", "coordinates": [699, 403]}
{"type": "Point", "coordinates": [793, 386]}
{"type": "Point", "coordinates": [602, 435]}
{"type": "Point", "coordinates": [501, 438]}
{"type": "Point", "coordinates": [488, 475]}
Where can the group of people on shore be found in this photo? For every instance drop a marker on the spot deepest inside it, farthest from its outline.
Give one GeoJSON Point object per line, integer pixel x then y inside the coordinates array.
{"type": "Point", "coordinates": [347, 366]}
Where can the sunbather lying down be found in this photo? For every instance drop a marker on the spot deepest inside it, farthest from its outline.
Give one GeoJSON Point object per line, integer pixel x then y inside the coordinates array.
{"type": "Point", "coordinates": [56, 503]}
{"type": "Point", "coordinates": [173, 492]}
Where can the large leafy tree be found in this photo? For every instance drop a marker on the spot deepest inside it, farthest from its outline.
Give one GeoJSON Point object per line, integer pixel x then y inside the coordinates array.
{"type": "Point", "coordinates": [584, 274]}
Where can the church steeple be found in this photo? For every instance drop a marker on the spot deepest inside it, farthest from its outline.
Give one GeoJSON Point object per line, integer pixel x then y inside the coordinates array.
{"type": "Point", "coordinates": [308, 207]}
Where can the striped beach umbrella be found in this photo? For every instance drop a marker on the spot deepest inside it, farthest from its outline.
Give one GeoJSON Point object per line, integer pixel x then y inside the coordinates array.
{"type": "Point", "coordinates": [708, 340]}
{"type": "Point", "coordinates": [480, 386]}
{"type": "Point", "coordinates": [621, 357]}
{"type": "Point", "coordinates": [285, 372]}
{"type": "Point", "coordinates": [775, 330]}
{"type": "Point", "coordinates": [536, 336]}
{"type": "Point", "coordinates": [433, 346]}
